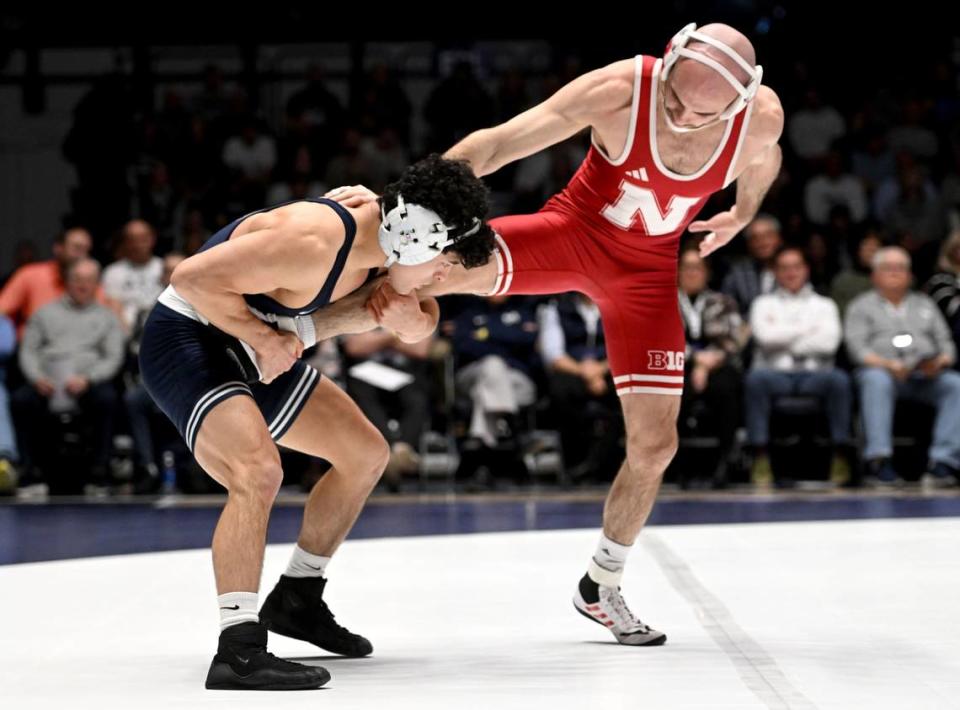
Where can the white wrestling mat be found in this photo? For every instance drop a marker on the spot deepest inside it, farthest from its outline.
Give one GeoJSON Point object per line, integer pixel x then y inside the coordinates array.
{"type": "Point", "coordinates": [836, 615]}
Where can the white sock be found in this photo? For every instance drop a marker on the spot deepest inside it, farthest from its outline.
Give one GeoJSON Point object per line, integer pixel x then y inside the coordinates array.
{"type": "Point", "coordinates": [237, 608]}
{"type": "Point", "coordinates": [306, 564]}
{"type": "Point", "coordinates": [606, 567]}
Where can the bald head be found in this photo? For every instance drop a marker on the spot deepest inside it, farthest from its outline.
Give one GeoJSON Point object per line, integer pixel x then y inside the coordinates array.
{"type": "Point", "coordinates": [83, 276]}
{"type": "Point", "coordinates": [700, 88]}
{"type": "Point", "coordinates": [734, 39]}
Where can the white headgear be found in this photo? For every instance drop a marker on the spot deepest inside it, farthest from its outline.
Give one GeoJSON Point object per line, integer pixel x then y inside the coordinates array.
{"type": "Point", "coordinates": [412, 234]}
{"type": "Point", "coordinates": [677, 48]}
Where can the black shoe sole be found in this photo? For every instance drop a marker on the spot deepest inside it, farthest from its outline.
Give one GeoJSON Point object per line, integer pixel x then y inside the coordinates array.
{"type": "Point", "coordinates": [229, 680]}
{"type": "Point", "coordinates": [656, 642]}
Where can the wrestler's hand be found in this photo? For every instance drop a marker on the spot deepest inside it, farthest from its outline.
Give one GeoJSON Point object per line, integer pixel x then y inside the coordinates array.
{"type": "Point", "coordinates": [400, 313]}
{"type": "Point", "coordinates": [352, 195]}
{"type": "Point", "coordinates": [277, 354]}
{"type": "Point", "coordinates": [721, 229]}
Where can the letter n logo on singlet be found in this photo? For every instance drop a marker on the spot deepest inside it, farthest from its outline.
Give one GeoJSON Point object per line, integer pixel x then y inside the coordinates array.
{"type": "Point", "coordinates": [634, 199]}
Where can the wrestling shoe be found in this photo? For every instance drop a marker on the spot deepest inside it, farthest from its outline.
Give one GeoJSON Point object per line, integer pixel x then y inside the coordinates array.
{"type": "Point", "coordinates": [243, 663]}
{"type": "Point", "coordinates": [296, 608]}
{"type": "Point", "coordinates": [607, 607]}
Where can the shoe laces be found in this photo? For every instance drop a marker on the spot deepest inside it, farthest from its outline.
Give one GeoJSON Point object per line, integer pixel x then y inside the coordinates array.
{"type": "Point", "coordinates": [621, 612]}
{"type": "Point", "coordinates": [324, 610]}
{"type": "Point", "coordinates": [265, 658]}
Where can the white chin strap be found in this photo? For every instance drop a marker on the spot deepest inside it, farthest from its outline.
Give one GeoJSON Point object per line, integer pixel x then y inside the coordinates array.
{"type": "Point", "coordinates": [746, 92]}
{"type": "Point", "coordinates": [413, 234]}
{"type": "Point", "coordinates": [687, 129]}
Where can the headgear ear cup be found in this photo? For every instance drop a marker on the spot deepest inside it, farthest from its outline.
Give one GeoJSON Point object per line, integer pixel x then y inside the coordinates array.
{"type": "Point", "coordinates": [412, 234]}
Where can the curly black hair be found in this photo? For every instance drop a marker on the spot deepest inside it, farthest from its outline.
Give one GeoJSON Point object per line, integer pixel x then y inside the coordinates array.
{"type": "Point", "coordinates": [449, 188]}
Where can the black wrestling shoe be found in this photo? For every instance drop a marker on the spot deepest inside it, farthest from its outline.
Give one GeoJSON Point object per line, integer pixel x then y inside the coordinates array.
{"type": "Point", "coordinates": [295, 608]}
{"type": "Point", "coordinates": [243, 663]}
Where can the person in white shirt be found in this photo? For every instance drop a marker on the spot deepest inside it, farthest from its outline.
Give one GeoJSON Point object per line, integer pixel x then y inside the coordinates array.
{"type": "Point", "coordinates": [831, 188]}
{"type": "Point", "coordinates": [797, 334]}
{"type": "Point", "coordinates": [814, 128]}
{"type": "Point", "coordinates": [251, 153]}
{"type": "Point", "coordinates": [134, 281]}
{"type": "Point", "coordinates": [582, 395]}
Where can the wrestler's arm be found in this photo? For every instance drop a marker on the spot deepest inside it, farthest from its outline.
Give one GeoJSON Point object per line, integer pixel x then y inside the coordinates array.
{"type": "Point", "coordinates": [574, 107]}
{"type": "Point", "coordinates": [754, 181]}
{"type": "Point", "coordinates": [358, 312]}
{"type": "Point", "coordinates": [285, 250]}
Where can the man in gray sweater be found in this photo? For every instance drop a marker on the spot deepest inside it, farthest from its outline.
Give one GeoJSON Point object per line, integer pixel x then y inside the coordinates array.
{"type": "Point", "coordinates": [903, 349]}
{"type": "Point", "coordinates": [71, 350]}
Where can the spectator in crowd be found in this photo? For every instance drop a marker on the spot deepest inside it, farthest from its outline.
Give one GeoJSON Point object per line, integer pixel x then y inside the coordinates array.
{"type": "Point", "coordinates": [171, 134]}
{"type": "Point", "coordinates": [917, 221]}
{"type": "Point", "coordinates": [950, 193]}
{"type": "Point", "coordinates": [297, 152]}
{"type": "Point", "coordinates": [822, 260]}
{"type": "Point", "coordinates": [944, 286]}
{"type": "Point", "coordinates": [8, 441]}
{"type": "Point", "coordinates": [874, 162]}
{"type": "Point", "coordinates": [831, 188]}
{"type": "Point", "coordinates": [35, 285]}
{"type": "Point", "coordinates": [582, 397]}
{"type": "Point", "coordinates": [296, 187]}
{"type": "Point", "coordinates": [458, 105]}
{"type": "Point", "coordinates": [753, 276]}
{"type": "Point", "coordinates": [352, 165]}
{"type": "Point", "coordinates": [913, 135]}
{"type": "Point", "coordinates": [889, 193]}
{"type": "Point", "coordinates": [797, 334]}
{"type": "Point", "coordinates": [211, 102]}
{"type": "Point", "coordinates": [855, 279]}
{"type": "Point", "coordinates": [386, 156]}
{"type": "Point", "coordinates": [200, 162]}
{"type": "Point", "coordinates": [139, 404]}
{"type": "Point", "coordinates": [409, 405]}
{"type": "Point", "coordinates": [72, 349]}
{"type": "Point", "coordinates": [841, 234]}
{"type": "Point", "coordinates": [134, 281]}
{"type": "Point", "coordinates": [24, 252]}
{"type": "Point", "coordinates": [715, 335]}
{"type": "Point", "coordinates": [814, 128]}
{"type": "Point", "coordinates": [943, 95]}
{"type": "Point", "coordinates": [380, 103]}
{"type": "Point", "coordinates": [317, 114]}
{"type": "Point", "coordinates": [251, 156]}
{"type": "Point", "coordinates": [193, 232]}
{"type": "Point", "coordinates": [493, 344]}
{"type": "Point", "coordinates": [159, 203]}
{"type": "Point", "coordinates": [901, 345]}
{"type": "Point", "coordinates": [101, 144]}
